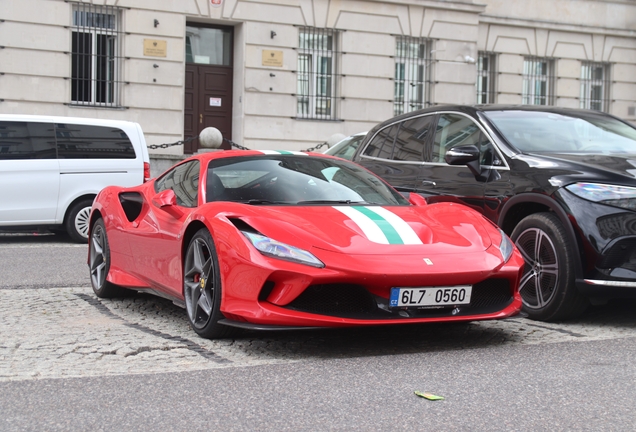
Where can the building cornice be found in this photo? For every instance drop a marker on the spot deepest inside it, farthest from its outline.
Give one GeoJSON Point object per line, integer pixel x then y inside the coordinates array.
{"type": "Point", "coordinates": [551, 25]}
{"type": "Point", "coordinates": [455, 5]}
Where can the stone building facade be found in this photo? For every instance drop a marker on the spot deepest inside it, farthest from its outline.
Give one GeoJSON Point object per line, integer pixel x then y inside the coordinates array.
{"type": "Point", "coordinates": [289, 74]}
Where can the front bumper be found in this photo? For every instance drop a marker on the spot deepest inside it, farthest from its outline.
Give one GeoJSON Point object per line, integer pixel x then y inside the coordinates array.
{"type": "Point", "coordinates": [354, 291]}
{"type": "Point", "coordinates": [607, 236]}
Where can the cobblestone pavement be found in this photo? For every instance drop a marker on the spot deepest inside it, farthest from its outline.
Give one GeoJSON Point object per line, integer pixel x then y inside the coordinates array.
{"type": "Point", "coordinates": [68, 332]}
{"type": "Point", "coordinates": [54, 327]}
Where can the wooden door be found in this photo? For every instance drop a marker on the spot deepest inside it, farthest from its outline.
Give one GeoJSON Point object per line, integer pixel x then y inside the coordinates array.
{"type": "Point", "coordinates": [208, 87]}
{"type": "Point", "coordinates": [208, 102]}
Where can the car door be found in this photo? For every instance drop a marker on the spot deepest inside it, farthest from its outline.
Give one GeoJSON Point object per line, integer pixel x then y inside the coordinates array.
{"type": "Point", "coordinates": [438, 181]}
{"type": "Point", "coordinates": [396, 153]}
{"type": "Point", "coordinates": [92, 157]}
{"type": "Point", "coordinates": [155, 242]}
{"type": "Point", "coordinates": [29, 173]}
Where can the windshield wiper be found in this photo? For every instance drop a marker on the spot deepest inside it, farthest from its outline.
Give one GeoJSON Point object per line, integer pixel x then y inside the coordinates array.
{"type": "Point", "coordinates": [333, 202]}
{"type": "Point", "coordinates": [262, 201]}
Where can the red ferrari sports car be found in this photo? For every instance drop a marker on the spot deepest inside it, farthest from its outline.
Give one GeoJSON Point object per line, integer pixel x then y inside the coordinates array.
{"type": "Point", "coordinates": [279, 240]}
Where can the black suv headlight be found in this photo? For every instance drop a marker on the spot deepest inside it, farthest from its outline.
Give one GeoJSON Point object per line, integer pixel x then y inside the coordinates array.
{"type": "Point", "coordinates": [617, 196]}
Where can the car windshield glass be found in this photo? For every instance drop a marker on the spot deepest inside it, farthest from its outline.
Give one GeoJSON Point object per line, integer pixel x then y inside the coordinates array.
{"type": "Point", "coordinates": [346, 148]}
{"type": "Point", "coordinates": [576, 132]}
{"type": "Point", "coordinates": [297, 180]}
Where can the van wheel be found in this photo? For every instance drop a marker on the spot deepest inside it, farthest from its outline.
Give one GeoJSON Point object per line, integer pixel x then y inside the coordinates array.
{"type": "Point", "coordinates": [547, 285]}
{"type": "Point", "coordinates": [77, 220]}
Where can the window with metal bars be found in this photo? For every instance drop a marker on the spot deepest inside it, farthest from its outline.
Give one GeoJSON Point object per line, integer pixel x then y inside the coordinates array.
{"type": "Point", "coordinates": [412, 83]}
{"type": "Point", "coordinates": [486, 78]}
{"type": "Point", "coordinates": [538, 81]}
{"type": "Point", "coordinates": [595, 86]}
{"type": "Point", "coordinates": [95, 55]}
{"type": "Point", "coordinates": [317, 66]}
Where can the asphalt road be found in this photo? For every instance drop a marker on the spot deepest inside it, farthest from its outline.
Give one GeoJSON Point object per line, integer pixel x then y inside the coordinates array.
{"type": "Point", "coordinates": [70, 361]}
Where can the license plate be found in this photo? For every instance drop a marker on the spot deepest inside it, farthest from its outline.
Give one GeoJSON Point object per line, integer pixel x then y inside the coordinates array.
{"type": "Point", "coordinates": [430, 296]}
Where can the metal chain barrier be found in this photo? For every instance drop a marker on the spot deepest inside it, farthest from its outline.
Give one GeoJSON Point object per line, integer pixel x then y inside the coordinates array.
{"type": "Point", "coordinates": [233, 144]}
{"type": "Point", "coordinates": [158, 146]}
{"type": "Point", "coordinates": [317, 146]}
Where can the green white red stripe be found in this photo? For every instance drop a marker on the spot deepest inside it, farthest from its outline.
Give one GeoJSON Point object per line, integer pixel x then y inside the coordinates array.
{"type": "Point", "coordinates": [282, 152]}
{"type": "Point", "coordinates": [380, 225]}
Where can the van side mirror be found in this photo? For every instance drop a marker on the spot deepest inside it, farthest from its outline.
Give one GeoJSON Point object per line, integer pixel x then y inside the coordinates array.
{"type": "Point", "coordinates": [469, 155]}
{"type": "Point", "coordinates": [167, 201]}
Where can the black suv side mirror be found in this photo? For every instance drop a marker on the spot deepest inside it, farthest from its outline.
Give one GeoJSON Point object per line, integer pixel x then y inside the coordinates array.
{"type": "Point", "coordinates": [462, 155]}
{"type": "Point", "coordinates": [469, 155]}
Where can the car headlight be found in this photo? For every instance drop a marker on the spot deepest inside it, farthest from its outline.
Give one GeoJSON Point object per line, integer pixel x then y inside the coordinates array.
{"type": "Point", "coordinates": [505, 247]}
{"type": "Point", "coordinates": [276, 249]}
{"type": "Point", "coordinates": [617, 196]}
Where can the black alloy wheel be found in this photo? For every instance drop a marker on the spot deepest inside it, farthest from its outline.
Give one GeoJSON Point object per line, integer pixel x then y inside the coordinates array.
{"type": "Point", "coordinates": [547, 286]}
{"type": "Point", "coordinates": [202, 287]}
{"type": "Point", "coordinates": [99, 263]}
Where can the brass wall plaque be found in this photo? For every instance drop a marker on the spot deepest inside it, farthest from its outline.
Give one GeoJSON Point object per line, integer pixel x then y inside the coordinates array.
{"type": "Point", "coordinates": [155, 48]}
{"type": "Point", "coordinates": [272, 58]}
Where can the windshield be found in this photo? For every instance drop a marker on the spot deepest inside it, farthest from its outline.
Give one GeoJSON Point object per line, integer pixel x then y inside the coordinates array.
{"type": "Point", "coordinates": [346, 148]}
{"type": "Point", "coordinates": [577, 132]}
{"type": "Point", "coordinates": [295, 179]}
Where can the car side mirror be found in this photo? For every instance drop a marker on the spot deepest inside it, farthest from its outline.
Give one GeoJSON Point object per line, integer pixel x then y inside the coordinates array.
{"type": "Point", "coordinates": [462, 155]}
{"type": "Point", "coordinates": [469, 155]}
{"type": "Point", "coordinates": [167, 201]}
{"type": "Point", "coordinates": [417, 199]}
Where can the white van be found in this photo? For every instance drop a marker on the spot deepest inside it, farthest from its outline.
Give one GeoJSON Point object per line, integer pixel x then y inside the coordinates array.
{"type": "Point", "coordinates": [51, 168]}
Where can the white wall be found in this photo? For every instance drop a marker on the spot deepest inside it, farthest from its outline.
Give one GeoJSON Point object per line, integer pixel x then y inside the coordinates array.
{"type": "Point", "coordinates": [36, 66]}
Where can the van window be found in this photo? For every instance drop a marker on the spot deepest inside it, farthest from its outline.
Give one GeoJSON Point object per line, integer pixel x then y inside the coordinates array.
{"type": "Point", "coordinates": [92, 142]}
{"type": "Point", "coordinates": [26, 140]}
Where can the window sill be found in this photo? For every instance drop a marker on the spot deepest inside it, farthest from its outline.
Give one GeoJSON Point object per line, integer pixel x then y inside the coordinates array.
{"type": "Point", "coordinates": [76, 105]}
{"type": "Point", "coordinates": [317, 119]}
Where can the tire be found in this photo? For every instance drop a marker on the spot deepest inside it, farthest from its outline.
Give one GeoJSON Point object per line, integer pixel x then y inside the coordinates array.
{"type": "Point", "coordinates": [99, 263]}
{"type": "Point", "coordinates": [547, 286]}
{"type": "Point", "coordinates": [78, 219]}
{"type": "Point", "coordinates": [202, 287]}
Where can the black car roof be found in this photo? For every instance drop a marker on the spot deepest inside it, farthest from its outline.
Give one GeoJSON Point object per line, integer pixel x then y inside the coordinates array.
{"type": "Point", "coordinates": [473, 109]}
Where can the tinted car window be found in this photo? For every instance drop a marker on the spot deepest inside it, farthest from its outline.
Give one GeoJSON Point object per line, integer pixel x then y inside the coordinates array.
{"type": "Point", "coordinates": [26, 140]}
{"type": "Point", "coordinates": [489, 156]}
{"type": "Point", "coordinates": [184, 181]}
{"type": "Point", "coordinates": [92, 142]}
{"type": "Point", "coordinates": [411, 139]}
{"type": "Point", "coordinates": [453, 130]}
{"type": "Point", "coordinates": [382, 144]}
{"type": "Point", "coordinates": [346, 149]}
{"type": "Point", "coordinates": [302, 180]}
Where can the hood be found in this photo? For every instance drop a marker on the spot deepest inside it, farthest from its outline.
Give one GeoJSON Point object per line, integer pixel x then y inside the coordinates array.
{"type": "Point", "coordinates": [615, 169]}
{"type": "Point", "coordinates": [374, 230]}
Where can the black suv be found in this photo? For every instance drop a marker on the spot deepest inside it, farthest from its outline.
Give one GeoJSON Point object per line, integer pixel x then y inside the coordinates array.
{"type": "Point", "coordinates": [561, 182]}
